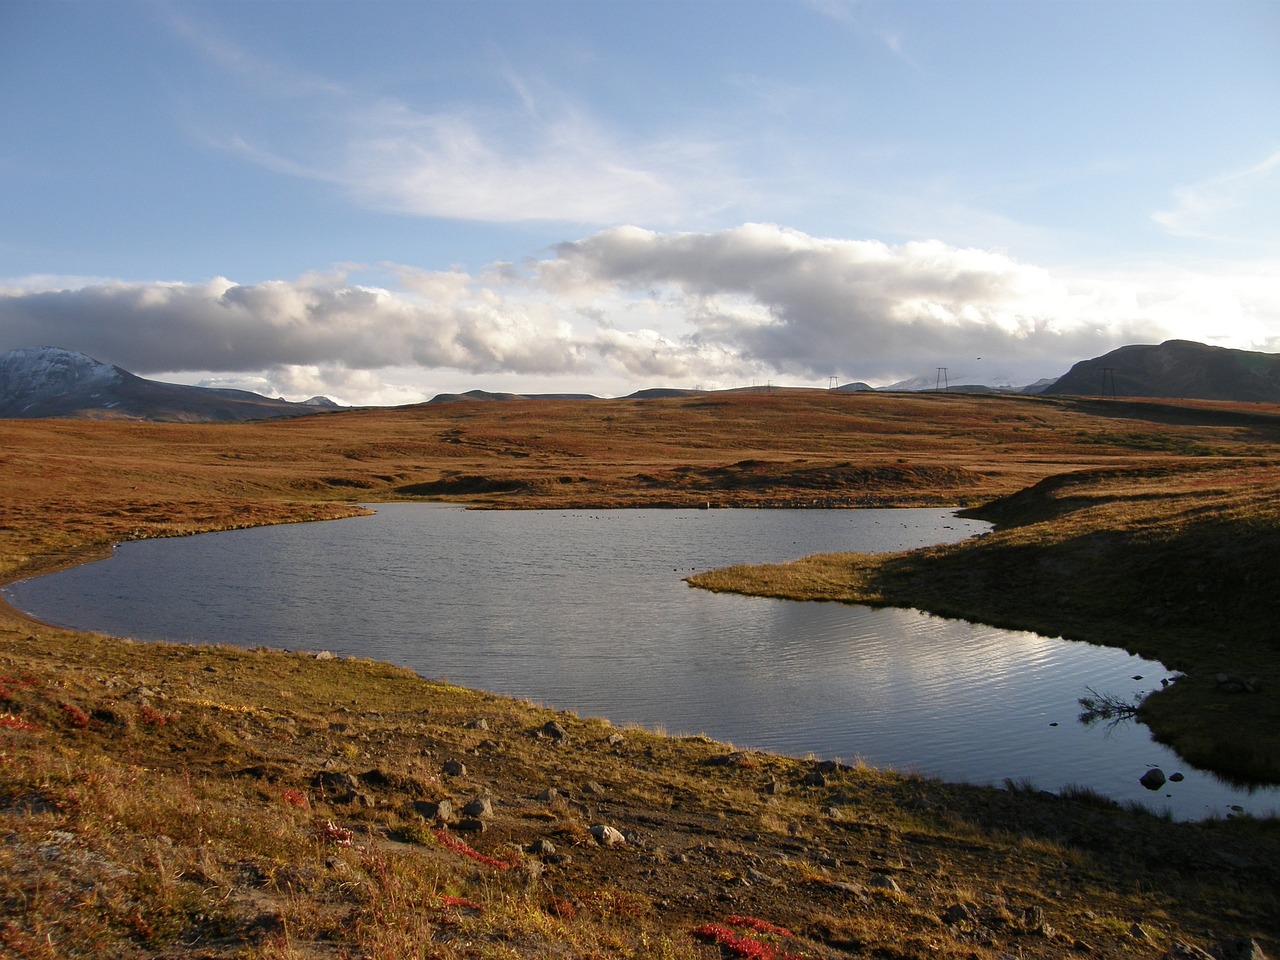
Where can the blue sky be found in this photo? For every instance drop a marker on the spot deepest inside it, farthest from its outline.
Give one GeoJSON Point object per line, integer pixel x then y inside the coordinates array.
{"type": "Point", "coordinates": [381, 201]}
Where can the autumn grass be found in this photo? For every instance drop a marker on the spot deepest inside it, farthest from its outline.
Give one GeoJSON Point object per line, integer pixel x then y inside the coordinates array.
{"type": "Point", "coordinates": [167, 801]}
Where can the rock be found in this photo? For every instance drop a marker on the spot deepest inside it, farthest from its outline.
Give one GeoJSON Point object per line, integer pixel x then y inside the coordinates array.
{"type": "Point", "coordinates": [441, 810]}
{"type": "Point", "coordinates": [480, 807]}
{"type": "Point", "coordinates": [454, 768]}
{"type": "Point", "coordinates": [549, 794]}
{"type": "Point", "coordinates": [616, 740]}
{"type": "Point", "coordinates": [814, 779]}
{"type": "Point", "coordinates": [480, 724]}
{"type": "Point", "coordinates": [542, 848]}
{"type": "Point", "coordinates": [1242, 948]}
{"type": "Point", "coordinates": [1136, 931]}
{"type": "Point", "coordinates": [956, 914]}
{"type": "Point", "coordinates": [1185, 951]}
{"type": "Point", "coordinates": [339, 787]}
{"type": "Point", "coordinates": [1153, 779]}
{"type": "Point", "coordinates": [551, 730]}
{"type": "Point", "coordinates": [763, 879]}
{"type": "Point", "coordinates": [324, 655]}
{"type": "Point", "coordinates": [607, 836]}
{"type": "Point", "coordinates": [471, 825]}
{"type": "Point", "coordinates": [882, 881]}
{"type": "Point", "coordinates": [595, 789]}
{"type": "Point", "coordinates": [1176, 778]}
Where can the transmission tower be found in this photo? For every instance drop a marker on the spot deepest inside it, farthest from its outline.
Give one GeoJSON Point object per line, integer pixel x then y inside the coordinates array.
{"type": "Point", "coordinates": [941, 382]}
{"type": "Point", "coordinates": [1109, 382]}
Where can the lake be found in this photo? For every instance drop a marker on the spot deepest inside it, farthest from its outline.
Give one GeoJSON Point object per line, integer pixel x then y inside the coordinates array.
{"type": "Point", "coordinates": [588, 611]}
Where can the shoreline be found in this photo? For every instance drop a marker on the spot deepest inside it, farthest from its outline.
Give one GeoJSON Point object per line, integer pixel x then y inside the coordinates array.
{"type": "Point", "coordinates": [91, 555]}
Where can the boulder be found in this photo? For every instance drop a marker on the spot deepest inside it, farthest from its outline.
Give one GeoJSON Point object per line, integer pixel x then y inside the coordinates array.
{"type": "Point", "coordinates": [607, 836]}
{"type": "Point", "coordinates": [1153, 779]}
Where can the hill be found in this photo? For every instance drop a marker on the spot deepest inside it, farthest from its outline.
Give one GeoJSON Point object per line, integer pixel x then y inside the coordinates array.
{"type": "Point", "coordinates": [1176, 368]}
{"type": "Point", "coordinates": [38, 382]}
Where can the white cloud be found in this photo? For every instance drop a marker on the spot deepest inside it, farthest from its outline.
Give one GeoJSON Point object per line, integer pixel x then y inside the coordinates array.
{"type": "Point", "coordinates": [628, 307]}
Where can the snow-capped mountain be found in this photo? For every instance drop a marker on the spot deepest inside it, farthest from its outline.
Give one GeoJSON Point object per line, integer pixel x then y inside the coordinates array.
{"type": "Point", "coordinates": [53, 382]}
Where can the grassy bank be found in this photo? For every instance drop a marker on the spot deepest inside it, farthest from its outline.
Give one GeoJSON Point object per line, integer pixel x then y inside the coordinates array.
{"type": "Point", "coordinates": [181, 802]}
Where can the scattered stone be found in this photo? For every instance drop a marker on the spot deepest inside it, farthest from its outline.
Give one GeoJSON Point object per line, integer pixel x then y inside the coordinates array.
{"type": "Point", "coordinates": [481, 724]}
{"type": "Point", "coordinates": [549, 794]}
{"type": "Point", "coordinates": [1229, 684]}
{"type": "Point", "coordinates": [616, 740]}
{"type": "Point", "coordinates": [607, 836]}
{"type": "Point", "coordinates": [324, 655]}
{"type": "Point", "coordinates": [1136, 931]}
{"type": "Point", "coordinates": [480, 807]}
{"type": "Point", "coordinates": [1153, 779]}
{"type": "Point", "coordinates": [1176, 778]}
{"type": "Point", "coordinates": [773, 787]}
{"type": "Point", "coordinates": [454, 768]}
{"type": "Point", "coordinates": [542, 848]}
{"type": "Point", "coordinates": [814, 779]}
{"type": "Point", "coordinates": [594, 788]}
{"type": "Point", "coordinates": [471, 825]}
{"type": "Point", "coordinates": [956, 914]}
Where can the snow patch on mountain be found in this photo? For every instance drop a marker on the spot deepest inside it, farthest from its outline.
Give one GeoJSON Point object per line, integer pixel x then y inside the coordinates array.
{"type": "Point", "coordinates": [34, 374]}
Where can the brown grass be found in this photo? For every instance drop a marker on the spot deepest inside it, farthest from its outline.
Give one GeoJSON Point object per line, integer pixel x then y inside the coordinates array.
{"type": "Point", "coordinates": [167, 801]}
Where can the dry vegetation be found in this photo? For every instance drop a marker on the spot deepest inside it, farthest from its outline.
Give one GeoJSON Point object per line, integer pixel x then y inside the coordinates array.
{"type": "Point", "coordinates": [170, 801]}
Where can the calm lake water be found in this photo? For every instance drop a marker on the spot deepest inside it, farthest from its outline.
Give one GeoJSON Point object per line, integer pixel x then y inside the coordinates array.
{"type": "Point", "coordinates": [588, 611]}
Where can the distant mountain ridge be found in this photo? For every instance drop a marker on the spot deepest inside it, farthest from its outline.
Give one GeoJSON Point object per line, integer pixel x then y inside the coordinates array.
{"type": "Point", "coordinates": [53, 382]}
{"type": "Point", "coordinates": [1181, 369]}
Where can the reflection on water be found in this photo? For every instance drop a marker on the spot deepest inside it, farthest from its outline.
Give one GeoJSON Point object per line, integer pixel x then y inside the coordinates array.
{"type": "Point", "coordinates": [588, 611]}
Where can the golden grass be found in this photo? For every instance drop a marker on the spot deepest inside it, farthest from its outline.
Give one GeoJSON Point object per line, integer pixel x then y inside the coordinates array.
{"type": "Point", "coordinates": [163, 801]}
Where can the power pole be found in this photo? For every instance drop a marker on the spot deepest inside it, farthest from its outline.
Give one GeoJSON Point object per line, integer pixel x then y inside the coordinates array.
{"type": "Point", "coordinates": [941, 383]}
{"type": "Point", "coordinates": [1109, 380]}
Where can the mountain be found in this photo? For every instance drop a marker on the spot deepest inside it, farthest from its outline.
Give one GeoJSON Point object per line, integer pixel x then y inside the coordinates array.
{"type": "Point", "coordinates": [487, 396]}
{"type": "Point", "coordinates": [52, 382]}
{"type": "Point", "coordinates": [1180, 369]}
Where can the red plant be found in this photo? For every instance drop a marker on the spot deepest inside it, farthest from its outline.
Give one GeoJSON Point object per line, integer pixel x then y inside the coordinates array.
{"type": "Point", "coordinates": [761, 926]}
{"type": "Point", "coordinates": [75, 716]}
{"type": "Point", "coordinates": [296, 798]}
{"type": "Point", "coordinates": [338, 836]}
{"type": "Point", "coordinates": [152, 717]}
{"type": "Point", "coordinates": [449, 902]}
{"type": "Point", "coordinates": [562, 908]}
{"type": "Point", "coordinates": [741, 944]}
{"type": "Point", "coordinates": [457, 846]}
{"type": "Point", "coordinates": [9, 722]}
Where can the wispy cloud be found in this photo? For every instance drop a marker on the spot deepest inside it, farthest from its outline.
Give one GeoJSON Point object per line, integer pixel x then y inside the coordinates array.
{"type": "Point", "coordinates": [1241, 206]}
{"type": "Point", "coordinates": [538, 157]}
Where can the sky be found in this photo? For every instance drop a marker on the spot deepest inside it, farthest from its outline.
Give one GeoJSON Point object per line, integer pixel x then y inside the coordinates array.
{"type": "Point", "coordinates": [382, 201]}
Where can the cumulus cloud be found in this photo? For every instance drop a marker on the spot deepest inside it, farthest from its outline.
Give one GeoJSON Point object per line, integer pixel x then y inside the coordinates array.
{"type": "Point", "coordinates": [631, 307]}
